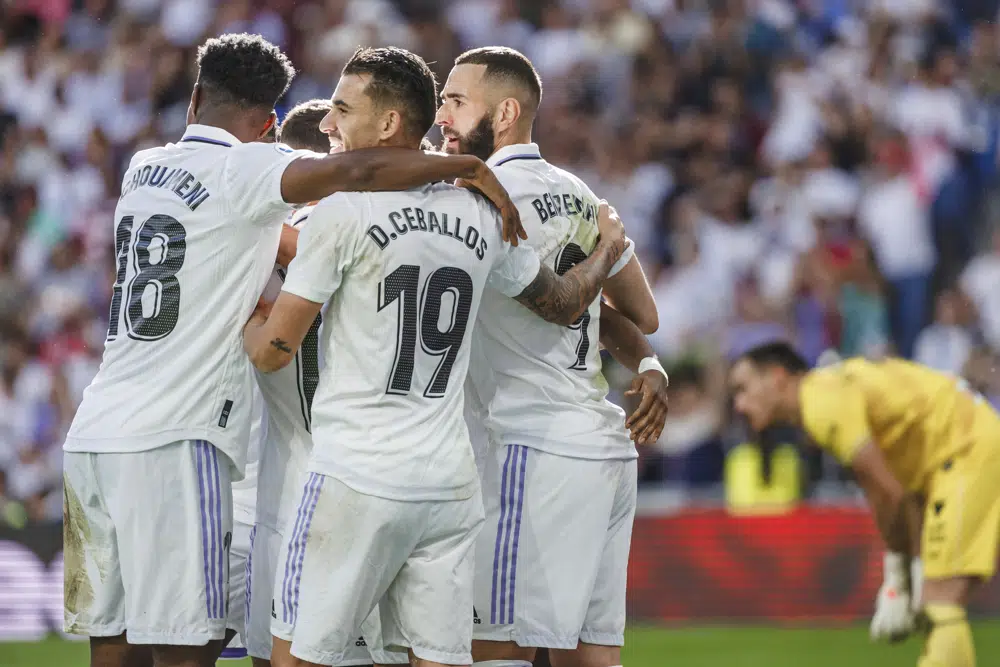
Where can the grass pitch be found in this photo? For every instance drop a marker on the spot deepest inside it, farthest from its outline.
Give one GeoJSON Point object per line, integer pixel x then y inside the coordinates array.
{"type": "Point", "coordinates": [663, 647]}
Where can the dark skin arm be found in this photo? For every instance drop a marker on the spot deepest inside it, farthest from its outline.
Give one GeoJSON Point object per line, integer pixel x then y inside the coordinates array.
{"type": "Point", "coordinates": [896, 514]}
{"type": "Point", "coordinates": [629, 346]}
{"type": "Point", "coordinates": [563, 299]}
{"type": "Point", "coordinates": [311, 178]}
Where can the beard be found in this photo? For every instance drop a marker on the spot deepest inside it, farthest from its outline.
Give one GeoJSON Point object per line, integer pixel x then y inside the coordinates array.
{"type": "Point", "coordinates": [480, 141]}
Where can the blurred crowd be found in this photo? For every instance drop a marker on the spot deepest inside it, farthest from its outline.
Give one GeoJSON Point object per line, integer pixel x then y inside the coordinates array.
{"type": "Point", "coordinates": [820, 170]}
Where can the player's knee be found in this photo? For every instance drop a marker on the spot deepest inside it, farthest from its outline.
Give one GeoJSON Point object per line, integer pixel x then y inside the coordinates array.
{"type": "Point", "coordinates": [949, 591]}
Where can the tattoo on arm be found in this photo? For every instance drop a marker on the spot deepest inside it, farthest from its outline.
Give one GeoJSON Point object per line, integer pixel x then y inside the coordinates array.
{"type": "Point", "coordinates": [281, 345]}
{"type": "Point", "coordinates": [562, 299]}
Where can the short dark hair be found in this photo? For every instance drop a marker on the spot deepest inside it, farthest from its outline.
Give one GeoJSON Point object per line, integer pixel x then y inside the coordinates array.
{"type": "Point", "coordinates": [244, 71]}
{"type": "Point", "coordinates": [506, 64]}
{"type": "Point", "coordinates": [778, 354]}
{"type": "Point", "coordinates": [300, 129]}
{"type": "Point", "coordinates": [399, 79]}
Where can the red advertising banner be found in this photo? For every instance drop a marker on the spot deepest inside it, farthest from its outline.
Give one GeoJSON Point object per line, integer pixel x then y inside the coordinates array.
{"type": "Point", "coordinates": [813, 564]}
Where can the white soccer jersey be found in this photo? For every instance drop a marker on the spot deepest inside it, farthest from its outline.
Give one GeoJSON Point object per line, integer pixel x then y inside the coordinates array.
{"type": "Point", "coordinates": [403, 273]}
{"type": "Point", "coordinates": [540, 384]}
{"type": "Point", "coordinates": [196, 231]}
{"type": "Point", "coordinates": [288, 395]}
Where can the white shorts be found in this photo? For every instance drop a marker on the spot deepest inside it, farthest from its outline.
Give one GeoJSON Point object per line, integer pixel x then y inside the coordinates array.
{"type": "Point", "coordinates": [146, 541]}
{"type": "Point", "coordinates": [552, 559]}
{"type": "Point", "coordinates": [349, 552]}
{"type": "Point", "coordinates": [239, 593]}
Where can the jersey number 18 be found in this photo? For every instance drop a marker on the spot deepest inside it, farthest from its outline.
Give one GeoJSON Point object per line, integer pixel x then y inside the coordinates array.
{"type": "Point", "coordinates": [165, 236]}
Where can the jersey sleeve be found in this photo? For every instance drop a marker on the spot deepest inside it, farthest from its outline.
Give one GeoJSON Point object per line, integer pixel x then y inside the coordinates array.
{"type": "Point", "coordinates": [624, 259]}
{"type": "Point", "coordinates": [515, 269]}
{"type": "Point", "coordinates": [834, 414]}
{"type": "Point", "coordinates": [327, 248]}
{"type": "Point", "coordinates": [253, 180]}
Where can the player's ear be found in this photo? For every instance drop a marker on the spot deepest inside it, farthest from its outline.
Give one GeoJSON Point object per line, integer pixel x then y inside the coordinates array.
{"type": "Point", "coordinates": [195, 103]}
{"type": "Point", "coordinates": [271, 120]}
{"type": "Point", "coordinates": [390, 125]}
{"type": "Point", "coordinates": [507, 114]}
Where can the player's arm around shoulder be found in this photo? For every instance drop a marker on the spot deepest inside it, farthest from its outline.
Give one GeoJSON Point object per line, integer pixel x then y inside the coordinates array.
{"type": "Point", "coordinates": [327, 247]}
{"type": "Point", "coordinates": [563, 299]}
{"type": "Point", "coordinates": [315, 176]}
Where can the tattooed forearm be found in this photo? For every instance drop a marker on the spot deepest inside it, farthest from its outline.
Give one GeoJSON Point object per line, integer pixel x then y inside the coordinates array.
{"type": "Point", "coordinates": [563, 299]}
{"type": "Point", "coordinates": [281, 345]}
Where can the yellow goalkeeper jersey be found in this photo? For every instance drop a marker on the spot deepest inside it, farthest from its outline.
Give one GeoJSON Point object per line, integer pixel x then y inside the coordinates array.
{"type": "Point", "coordinates": [920, 418]}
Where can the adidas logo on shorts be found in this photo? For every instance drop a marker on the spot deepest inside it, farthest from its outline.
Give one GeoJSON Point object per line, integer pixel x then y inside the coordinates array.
{"type": "Point", "coordinates": [361, 642]}
{"type": "Point", "coordinates": [475, 617]}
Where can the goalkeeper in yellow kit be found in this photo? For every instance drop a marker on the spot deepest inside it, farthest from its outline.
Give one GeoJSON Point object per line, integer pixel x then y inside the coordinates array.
{"type": "Point", "coordinates": [914, 438]}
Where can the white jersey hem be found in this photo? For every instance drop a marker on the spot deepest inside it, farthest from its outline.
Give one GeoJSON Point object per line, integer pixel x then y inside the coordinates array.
{"type": "Point", "coordinates": [623, 450]}
{"type": "Point", "coordinates": [133, 444]}
{"type": "Point", "coordinates": [404, 494]}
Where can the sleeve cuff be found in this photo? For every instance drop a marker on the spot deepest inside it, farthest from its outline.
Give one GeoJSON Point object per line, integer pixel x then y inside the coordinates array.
{"type": "Point", "coordinates": [530, 272]}
{"type": "Point", "coordinates": [305, 292]}
{"type": "Point", "coordinates": [624, 259]}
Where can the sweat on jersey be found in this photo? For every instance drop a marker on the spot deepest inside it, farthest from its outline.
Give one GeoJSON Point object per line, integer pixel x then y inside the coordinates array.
{"type": "Point", "coordinates": [403, 274]}
{"type": "Point", "coordinates": [539, 384]}
{"type": "Point", "coordinates": [196, 231]}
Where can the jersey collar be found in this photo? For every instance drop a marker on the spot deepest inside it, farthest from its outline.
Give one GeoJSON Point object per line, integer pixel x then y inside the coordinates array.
{"type": "Point", "coordinates": [514, 152]}
{"type": "Point", "coordinates": [207, 134]}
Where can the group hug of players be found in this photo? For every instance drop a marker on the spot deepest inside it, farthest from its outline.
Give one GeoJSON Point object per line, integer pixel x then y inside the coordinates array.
{"type": "Point", "coordinates": [440, 479]}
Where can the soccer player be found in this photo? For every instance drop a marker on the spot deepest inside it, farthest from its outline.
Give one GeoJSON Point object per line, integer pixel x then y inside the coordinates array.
{"type": "Point", "coordinates": [909, 434]}
{"type": "Point", "coordinates": [163, 428]}
{"type": "Point", "coordinates": [288, 394]}
{"type": "Point", "coordinates": [560, 485]}
{"type": "Point", "coordinates": [245, 508]}
{"type": "Point", "coordinates": [391, 507]}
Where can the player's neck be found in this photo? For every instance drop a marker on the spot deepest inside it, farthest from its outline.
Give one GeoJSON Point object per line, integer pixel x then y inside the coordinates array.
{"type": "Point", "coordinates": [241, 128]}
{"type": "Point", "coordinates": [512, 138]}
{"type": "Point", "coordinates": [794, 406]}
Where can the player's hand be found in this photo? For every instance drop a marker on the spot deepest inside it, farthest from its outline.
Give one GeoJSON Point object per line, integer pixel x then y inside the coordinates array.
{"type": "Point", "coordinates": [646, 422]}
{"type": "Point", "coordinates": [612, 231]}
{"type": "Point", "coordinates": [487, 183]}
{"type": "Point", "coordinates": [894, 618]}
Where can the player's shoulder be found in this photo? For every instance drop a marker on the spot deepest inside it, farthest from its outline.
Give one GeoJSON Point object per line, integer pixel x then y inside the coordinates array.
{"type": "Point", "coordinates": [150, 155]}
{"type": "Point", "coordinates": [255, 152]}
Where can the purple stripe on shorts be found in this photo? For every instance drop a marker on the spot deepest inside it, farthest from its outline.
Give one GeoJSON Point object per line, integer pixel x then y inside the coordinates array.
{"type": "Point", "coordinates": [213, 548]}
{"type": "Point", "coordinates": [300, 555]}
{"type": "Point", "coordinates": [517, 533]}
{"type": "Point", "coordinates": [496, 549]}
{"type": "Point", "coordinates": [288, 583]}
{"type": "Point", "coordinates": [511, 504]}
{"type": "Point", "coordinates": [213, 517]}
{"type": "Point", "coordinates": [221, 580]}
{"type": "Point", "coordinates": [199, 455]}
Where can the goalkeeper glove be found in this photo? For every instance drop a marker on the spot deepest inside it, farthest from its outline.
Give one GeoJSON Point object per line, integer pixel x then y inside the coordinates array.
{"type": "Point", "coordinates": [894, 617]}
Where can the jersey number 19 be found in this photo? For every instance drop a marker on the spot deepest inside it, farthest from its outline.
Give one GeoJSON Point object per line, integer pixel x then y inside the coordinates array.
{"type": "Point", "coordinates": [401, 287]}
